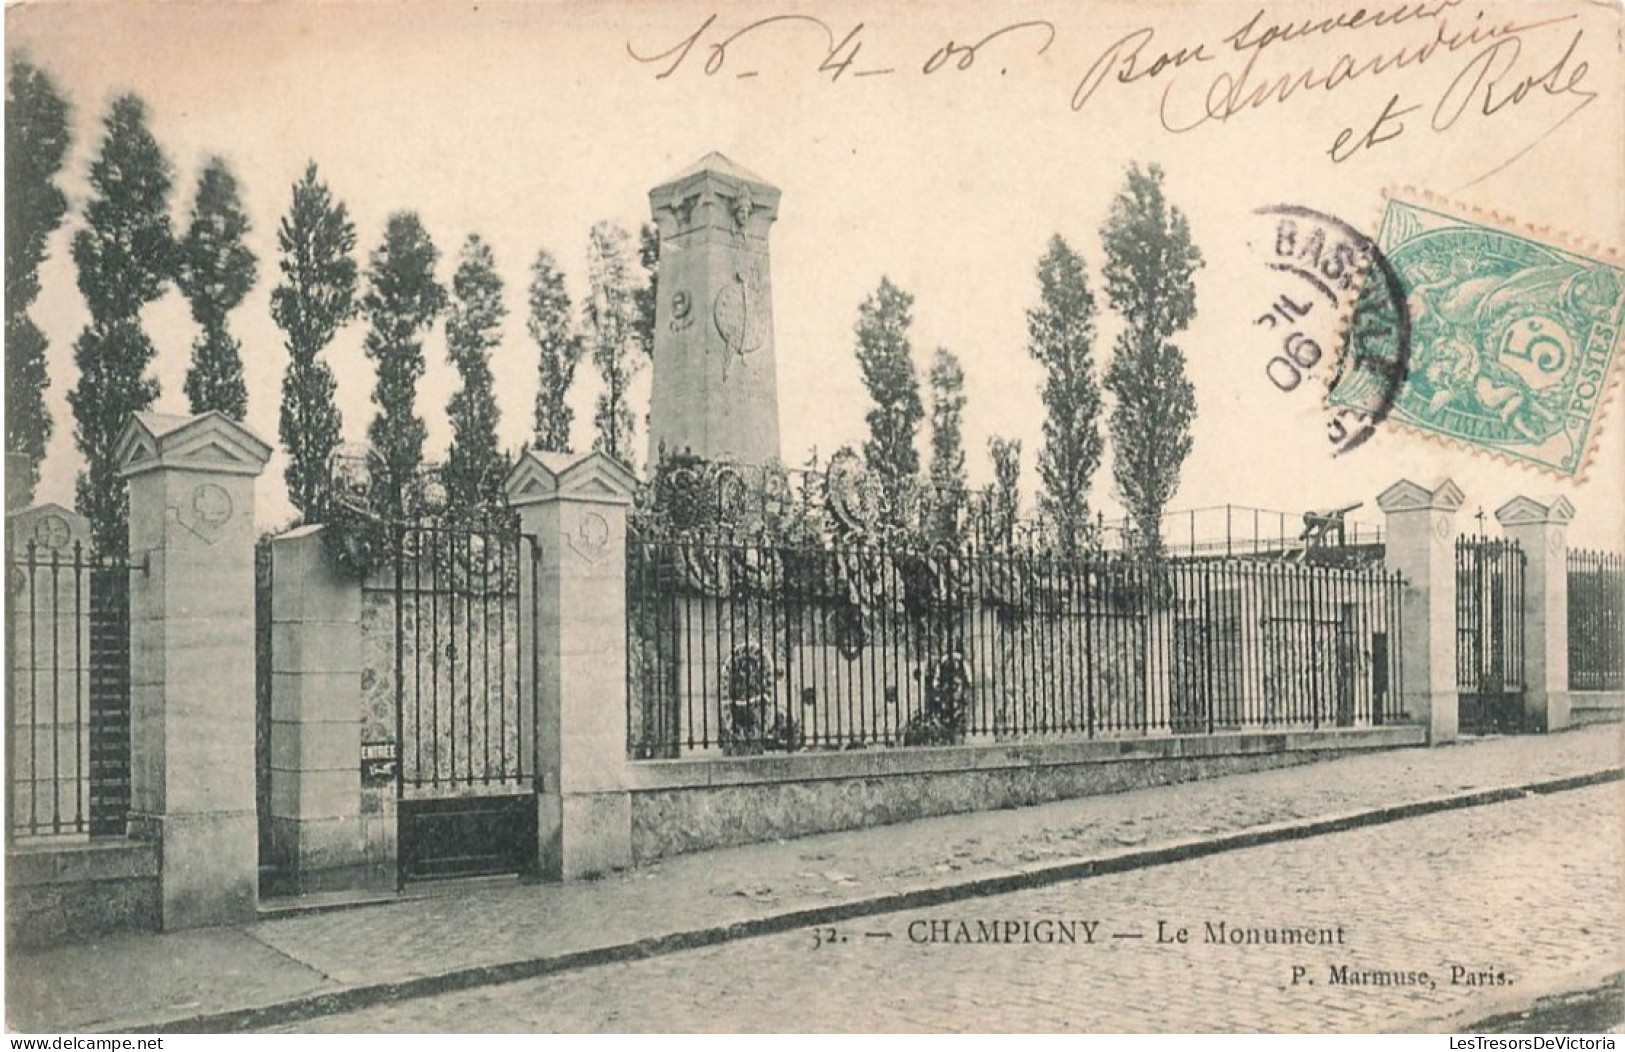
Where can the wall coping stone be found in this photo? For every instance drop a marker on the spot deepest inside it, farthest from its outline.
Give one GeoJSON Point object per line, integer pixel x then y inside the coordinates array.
{"type": "Point", "coordinates": [649, 775]}
{"type": "Point", "coordinates": [73, 862]}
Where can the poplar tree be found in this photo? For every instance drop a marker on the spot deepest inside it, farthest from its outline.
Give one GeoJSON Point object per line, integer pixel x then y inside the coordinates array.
{"type": "Point", "coordinates": [125, 256]}
{"type": "Point", "coordinates": [474, 465]}
{"type": "Point", "coordinates": [559, 351]}
{"type": "Point", "coordinates": [611, 327]}
{"type": "Point", "coordinates": [886, 359]}
{"type": "Point", "coordinates": [37, 141]}
{"type": "Point", "coordinates": [402, 301]}
{"type": "Point", "coordinates": [215, 271]}
{"type": "Point", "coordinates": [1150, 260]}
{"type": "Point", "coordinates": [646, 295]}
{"type": "Point", "coordinates": [1004, 496]}
{"type": "Point", "coordinates": [1061, 336]}
{"type": "Point", "coordinates": [947, 444]}
{"type": "Point", "coordinates": [317, 243]}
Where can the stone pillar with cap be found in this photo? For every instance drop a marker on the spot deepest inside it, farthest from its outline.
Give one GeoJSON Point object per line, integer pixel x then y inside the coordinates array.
{"type": "Point", "coordinates": [191, 528]}
{"type": "Point", "coordinates": [1541, 532]}
{"type": "Point", "coordinates": [575, 507]}
{"type": "Point", "coordinates": [1420, 544]}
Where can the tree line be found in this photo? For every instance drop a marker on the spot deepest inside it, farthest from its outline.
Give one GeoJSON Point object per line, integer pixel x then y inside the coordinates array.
{"type": "Point", "coordinates": [1149, 263]}
{"type": "Point", "coordinates": [127, 255]}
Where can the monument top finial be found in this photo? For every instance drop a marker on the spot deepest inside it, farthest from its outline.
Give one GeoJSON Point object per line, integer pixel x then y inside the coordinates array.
{"type": "Point", "coordinates": [715, 163]}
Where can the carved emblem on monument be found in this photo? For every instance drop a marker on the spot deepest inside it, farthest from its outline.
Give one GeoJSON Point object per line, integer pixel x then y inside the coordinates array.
{"type": "Point", "coordinates": [682, 310]}
{"type": "Point", "coordinates": [738, 314]}
{"type": "Point", "coordinates": [590, 538]}
{"type": "Point", "coordinates": [207, 512]}
{"type": "Point", "coordinates": [684, 210]}
{"type": "Point", "coordinates": [52, 534]}
{"type": "Point", "coordinates": [743, 206]}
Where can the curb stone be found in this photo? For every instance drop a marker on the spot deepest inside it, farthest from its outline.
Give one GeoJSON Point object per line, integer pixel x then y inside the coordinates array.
{"type": "Point", "coordinates": [1021, 878]}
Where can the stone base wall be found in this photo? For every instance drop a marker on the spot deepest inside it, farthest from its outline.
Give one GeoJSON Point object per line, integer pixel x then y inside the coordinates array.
{"type": "Point", "coordinates": [679, 806]}
{"type": "Point", "coordinates": [72, 892]}
{"type": "Point", "coordinates": [1596, 706]}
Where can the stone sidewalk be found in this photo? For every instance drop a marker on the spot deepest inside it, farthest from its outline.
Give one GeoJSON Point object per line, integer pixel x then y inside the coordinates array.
{"type": "Point", "coordinates": [458, 936]}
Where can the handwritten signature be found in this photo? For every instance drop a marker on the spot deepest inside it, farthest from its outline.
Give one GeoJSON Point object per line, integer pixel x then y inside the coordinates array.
{"type": "Point", "coordinates": [1500, 70]}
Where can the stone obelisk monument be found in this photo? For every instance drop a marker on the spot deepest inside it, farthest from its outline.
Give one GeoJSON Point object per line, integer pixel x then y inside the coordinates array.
{"type": "Point", "coordinates": [715, 384]}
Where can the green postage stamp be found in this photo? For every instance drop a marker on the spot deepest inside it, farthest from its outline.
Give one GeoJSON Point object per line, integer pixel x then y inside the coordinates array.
{"type": "Point", "coordinates": [1505, 342]}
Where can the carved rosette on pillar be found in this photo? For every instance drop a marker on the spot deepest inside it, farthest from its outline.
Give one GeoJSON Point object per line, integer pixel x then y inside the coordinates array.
{"type": "Point", "coordinates": [192, 659]}
{"type": "Point", "coordinates": [715, 388]}
{"type": "Point", "coordinates": [575, 505]}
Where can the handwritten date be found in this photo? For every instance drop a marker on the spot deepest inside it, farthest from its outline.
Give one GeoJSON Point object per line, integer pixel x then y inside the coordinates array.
{"type": "Point", "coordinates": [837, 54]}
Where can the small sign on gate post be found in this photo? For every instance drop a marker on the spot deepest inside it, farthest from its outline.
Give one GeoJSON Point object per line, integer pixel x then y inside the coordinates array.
{"type": "Point", "coordinates": [377, 764]}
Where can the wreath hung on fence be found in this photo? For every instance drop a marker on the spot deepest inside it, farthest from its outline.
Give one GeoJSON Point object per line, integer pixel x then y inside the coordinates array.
{"type": "Point", "coordinates": [355, 537]}
{"type": "Point", "coordinates": [359, 537]}
{"type": "Point", "coordinates": [752, 719]}
{"type": "Point", "coordinates": [947, 701]}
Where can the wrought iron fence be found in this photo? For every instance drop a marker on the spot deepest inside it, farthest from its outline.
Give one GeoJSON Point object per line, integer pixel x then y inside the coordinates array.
{"type": "Point", "coordinates": [1596, 620]}
{"type": "Point", "coordinates": [744, 646]}
{"type": "Point", "coordinates": [1489, 634]}
{"type": "Point", "coordinates": [68, 692]}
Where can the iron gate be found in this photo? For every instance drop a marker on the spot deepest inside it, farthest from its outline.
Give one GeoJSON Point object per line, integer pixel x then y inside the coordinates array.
{"type": "Point", "coordinates": [1489, 635]}
{"type": "Point", "coordinates": [67, 691]}
{"type": "Point", "coordinates": [465, 608]}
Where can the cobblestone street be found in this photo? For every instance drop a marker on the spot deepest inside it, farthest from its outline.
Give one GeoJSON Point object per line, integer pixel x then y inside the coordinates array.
{"type": "Point", "coordinates": [1527, 889]}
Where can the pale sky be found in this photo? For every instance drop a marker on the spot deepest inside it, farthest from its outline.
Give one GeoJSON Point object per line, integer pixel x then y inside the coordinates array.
{"type": "Point", "coordinates": [527, 122]}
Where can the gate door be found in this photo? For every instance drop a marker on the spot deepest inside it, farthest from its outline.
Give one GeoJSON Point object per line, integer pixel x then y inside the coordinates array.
{"type": "Point", "coordinates": [465, 603]}
{"type": "Point", "coordinates": [1489, 635]}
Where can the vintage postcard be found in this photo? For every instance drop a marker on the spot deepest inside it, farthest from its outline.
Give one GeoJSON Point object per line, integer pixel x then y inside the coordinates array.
{"type": "Point", "coordinates": [605, 515]}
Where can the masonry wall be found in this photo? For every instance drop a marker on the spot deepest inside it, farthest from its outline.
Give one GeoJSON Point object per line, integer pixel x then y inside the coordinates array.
{"type": "Point", "coordinates": [1596, 706]}
{"type": "Point", "coordinates": [679, 806]}
{"type": "Point", "coordinates": [69, 892]}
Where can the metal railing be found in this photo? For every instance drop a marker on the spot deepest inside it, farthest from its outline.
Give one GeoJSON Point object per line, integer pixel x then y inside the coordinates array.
{"type": "Point", "coordinates": [68, 692]}
{"type": "Point", "coordinates": [1596, 620]}
{"type": "Point", "coordinates": [740, 647]}
{"type": "Point", "coordinates": [1239, 530]}
{"type": "Point", "coordinates": [1489, 616]}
